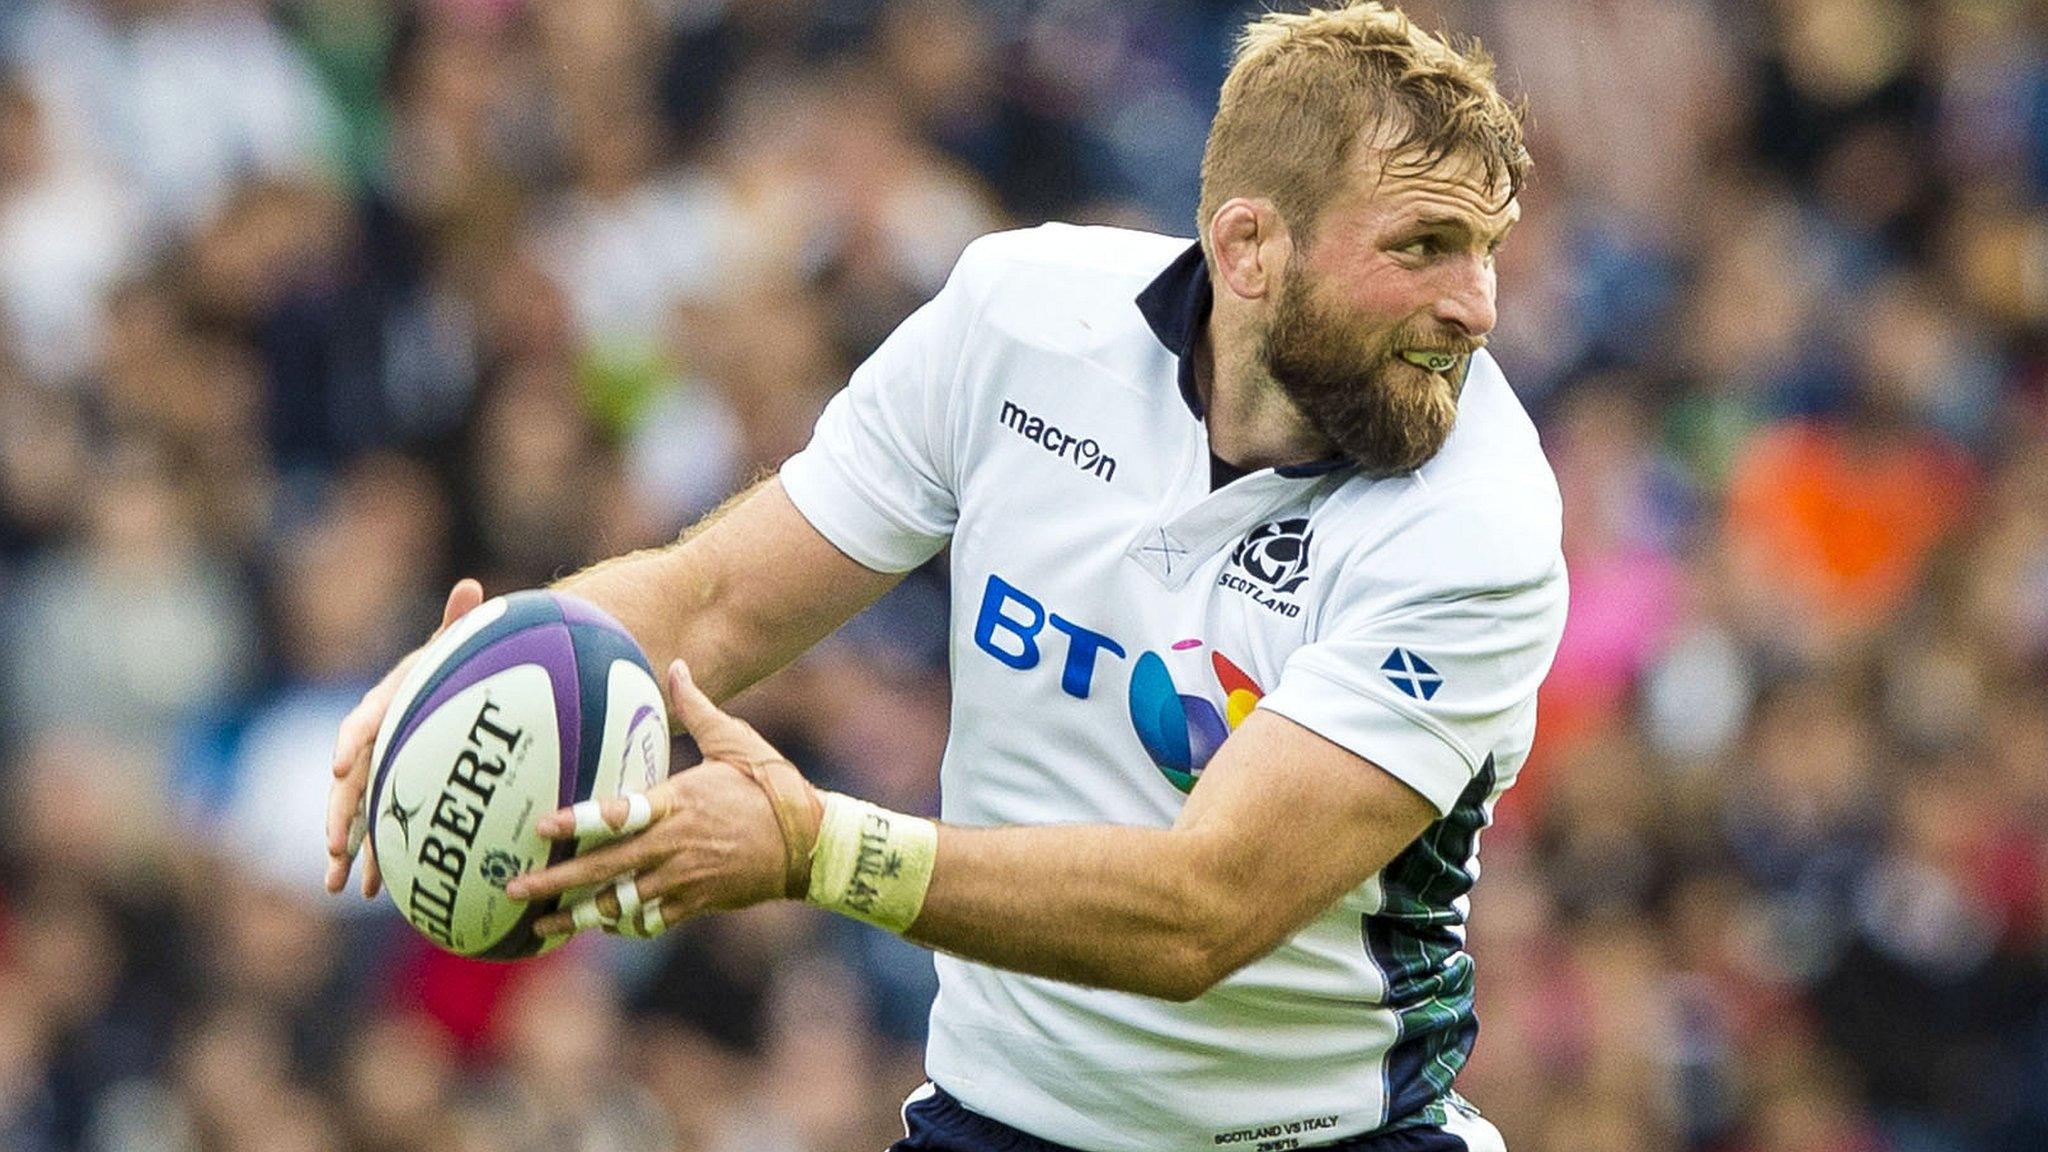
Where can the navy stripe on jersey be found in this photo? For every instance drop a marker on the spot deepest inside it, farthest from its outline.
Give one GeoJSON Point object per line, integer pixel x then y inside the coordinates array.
{"type": "Point", "coordinates": [1428, 972]}
{"type": "Point", "coordinates": [939, 1123]}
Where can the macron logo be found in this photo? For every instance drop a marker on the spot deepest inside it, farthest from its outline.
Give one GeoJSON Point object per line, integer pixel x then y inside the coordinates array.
{"type": "Point", "coordinates": [1086, 454]}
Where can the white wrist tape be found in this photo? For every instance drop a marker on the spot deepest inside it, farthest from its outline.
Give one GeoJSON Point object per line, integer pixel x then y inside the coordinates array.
{"type": "Point", "coordinates": [872, 864]}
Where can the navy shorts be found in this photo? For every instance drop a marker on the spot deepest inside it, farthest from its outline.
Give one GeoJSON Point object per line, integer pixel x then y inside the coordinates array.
{"type": "Point", "coordinates": [938, 1123]}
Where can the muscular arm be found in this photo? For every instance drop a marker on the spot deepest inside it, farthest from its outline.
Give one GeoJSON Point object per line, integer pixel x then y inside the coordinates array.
{"type": "Point", "coordinates": [1282, 823]}
{"type": "Point", "coordinates": [740, 595]}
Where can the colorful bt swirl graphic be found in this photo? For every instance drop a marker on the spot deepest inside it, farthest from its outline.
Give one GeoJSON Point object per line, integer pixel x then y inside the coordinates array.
{"type": "Point", "coordinates": [1182, 731]}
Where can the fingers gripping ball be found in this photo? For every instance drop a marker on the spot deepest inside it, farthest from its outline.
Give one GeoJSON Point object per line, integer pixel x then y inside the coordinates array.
{"type": "Point", "coordinates": [626, 913]}
{"type": "Point", "coordinates": [533, 702]}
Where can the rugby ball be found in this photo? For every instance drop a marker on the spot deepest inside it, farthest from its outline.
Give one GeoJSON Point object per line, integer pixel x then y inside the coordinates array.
{"type": "Point", "coordinates": [531, 702]}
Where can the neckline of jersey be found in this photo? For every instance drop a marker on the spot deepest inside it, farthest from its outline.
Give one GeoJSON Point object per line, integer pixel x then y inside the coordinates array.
{"type": "Point", "coordinates": [1176, 304]}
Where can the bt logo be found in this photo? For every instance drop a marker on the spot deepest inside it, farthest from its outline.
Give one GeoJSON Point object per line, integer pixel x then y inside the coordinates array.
{"type": "Point", "coordinates": [1008, 611]}
{"type": "Point", "coordinates": [1180, 731]}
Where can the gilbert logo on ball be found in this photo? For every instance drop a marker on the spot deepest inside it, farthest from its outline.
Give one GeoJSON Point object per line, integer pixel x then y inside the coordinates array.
{"type": "Point", "coordinates": [530, 703]}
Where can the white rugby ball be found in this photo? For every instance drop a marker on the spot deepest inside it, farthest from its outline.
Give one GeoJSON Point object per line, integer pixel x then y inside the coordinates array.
{"type": "Point", "coordinates": [531, 702]}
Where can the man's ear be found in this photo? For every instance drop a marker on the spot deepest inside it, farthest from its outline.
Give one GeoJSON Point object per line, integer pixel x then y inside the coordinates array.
{"type": "Point", "coordinates": [1249, 246]}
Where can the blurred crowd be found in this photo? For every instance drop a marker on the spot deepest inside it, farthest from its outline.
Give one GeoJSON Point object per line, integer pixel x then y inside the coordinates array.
{"type": "Point", "coordinates": [308, 306]}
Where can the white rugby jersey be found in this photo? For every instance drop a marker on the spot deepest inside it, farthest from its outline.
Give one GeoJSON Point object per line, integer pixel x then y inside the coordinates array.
{"type": "Point", "coordinates": [1113, 618]}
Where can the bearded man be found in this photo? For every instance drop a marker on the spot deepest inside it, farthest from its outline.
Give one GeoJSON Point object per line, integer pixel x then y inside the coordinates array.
{"type": "Point", "coordinates": [1256, 568]}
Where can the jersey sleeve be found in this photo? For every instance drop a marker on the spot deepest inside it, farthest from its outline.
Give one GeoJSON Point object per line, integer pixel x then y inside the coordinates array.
{"type": "Point", "coordinates": [1431, 653]}
{"type": "Point", "coordinates": [878, 477]}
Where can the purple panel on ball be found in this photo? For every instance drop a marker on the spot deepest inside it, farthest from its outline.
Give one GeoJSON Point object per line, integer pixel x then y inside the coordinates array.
{"type": "Point", "coordinates": [577, 610]}
{"type": "Point", "coordinates": [647, 778]}
{"type": "Point", "coordinates": [547, 645]}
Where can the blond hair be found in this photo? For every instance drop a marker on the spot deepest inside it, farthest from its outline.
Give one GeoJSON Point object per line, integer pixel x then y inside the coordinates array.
{"type": "Point", "coordinates": [1306, 90]}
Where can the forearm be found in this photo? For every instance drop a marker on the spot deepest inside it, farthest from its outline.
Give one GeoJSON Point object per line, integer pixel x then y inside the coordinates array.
{"type": "Point", "coordinates": [669, 598]}
{"type": "Point", "coordinates": [742, 593]}
{"type": "Point", "coordinates": [1142, 910]}
{"type": "Point", "coordinates": [1282, 824]}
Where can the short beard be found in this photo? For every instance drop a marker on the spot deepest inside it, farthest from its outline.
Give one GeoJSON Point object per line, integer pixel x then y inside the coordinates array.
{"type": "Point", "coordinates": [1385, 414]}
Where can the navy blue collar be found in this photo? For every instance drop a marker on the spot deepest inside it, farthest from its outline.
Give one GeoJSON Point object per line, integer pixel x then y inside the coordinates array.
{"type": "Point", "coordinates": [1176, 304]}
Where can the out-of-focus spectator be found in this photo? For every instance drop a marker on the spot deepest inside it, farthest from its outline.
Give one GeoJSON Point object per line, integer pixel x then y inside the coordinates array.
{"type": "Point", "coordinates": [350, 583]}
{"type": "Point", "coordinates": [68, 231]}
{"type": "Point", "coordinates": [1831, 524]}
{"type": "Point", "coordinates": [399, 1084]}
{"type": "Point", "coordinates": [44, 460]}
{"type": "Point", "coordinates": [27, 1109]}
{"type": "Point", "coordinates": [183, 99]}
{"type": "Point", "coordinates": [1626, 506]}
{"type": "Point", "coordinates": [539, 483]}
{"type": "Point", "coordinates": [234, 1070]}
{"type": "Point", "coordinates": [135, 625]}
{"type": "Point", "coordinates": [561, 1084]}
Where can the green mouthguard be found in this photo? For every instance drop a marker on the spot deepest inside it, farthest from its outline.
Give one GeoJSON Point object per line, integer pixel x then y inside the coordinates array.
{"type": "Point", "coordinates": [1431, 361]}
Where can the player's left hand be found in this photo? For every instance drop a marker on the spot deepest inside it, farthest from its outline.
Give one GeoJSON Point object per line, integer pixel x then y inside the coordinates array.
{"type": "Point", "coordinates": [708, 838]}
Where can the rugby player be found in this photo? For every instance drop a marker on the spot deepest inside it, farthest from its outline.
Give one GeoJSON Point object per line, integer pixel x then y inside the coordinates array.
{"type": "Point", "coordinates": [1256, 569]}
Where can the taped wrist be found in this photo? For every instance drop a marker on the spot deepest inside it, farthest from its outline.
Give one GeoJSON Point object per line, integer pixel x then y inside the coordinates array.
{"type": "Point", "coordinates": [872, 864]}
{"type": "Point", "coordinates": [796, 812]}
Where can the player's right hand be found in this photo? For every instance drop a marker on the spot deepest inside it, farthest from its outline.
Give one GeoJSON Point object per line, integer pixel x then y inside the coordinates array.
{"type": "Point", "coordinates": [354, 743]}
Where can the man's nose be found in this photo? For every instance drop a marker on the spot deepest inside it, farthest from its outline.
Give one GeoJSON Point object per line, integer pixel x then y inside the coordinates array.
{"type": "Point", "coordinates": [1466, 301]}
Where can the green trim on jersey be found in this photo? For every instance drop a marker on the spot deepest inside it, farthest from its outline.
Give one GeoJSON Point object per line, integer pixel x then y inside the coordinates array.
{"type": "Point", "coordinates": [1427, 970]}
